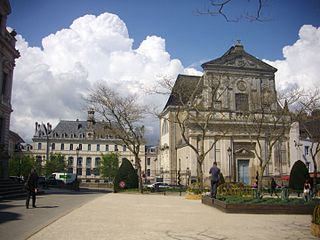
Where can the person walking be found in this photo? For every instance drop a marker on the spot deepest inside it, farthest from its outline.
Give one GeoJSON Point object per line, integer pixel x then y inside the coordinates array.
{"type": "Point", "coordinates": [273, 187]}
{"type": "Point", "coordinates": [31, 186]}
{"type": "Point", "coordinates": [215, 173]}
{"type": "Point", "coordinates": [306, 190]}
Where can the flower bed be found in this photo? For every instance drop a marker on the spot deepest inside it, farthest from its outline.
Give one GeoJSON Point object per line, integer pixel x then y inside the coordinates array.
{"type": "Point", "coordinates": [255, 206]}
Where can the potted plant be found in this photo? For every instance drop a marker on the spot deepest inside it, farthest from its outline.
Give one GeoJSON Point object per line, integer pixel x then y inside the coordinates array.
{"type": "Point", "coordinates": [315, 224]}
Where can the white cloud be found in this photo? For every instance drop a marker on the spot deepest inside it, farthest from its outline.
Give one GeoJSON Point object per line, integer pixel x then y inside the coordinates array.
{"type": "Point", "coordinates": [301, 62]}
{"type": "Point", "coordinates": [49, 83]}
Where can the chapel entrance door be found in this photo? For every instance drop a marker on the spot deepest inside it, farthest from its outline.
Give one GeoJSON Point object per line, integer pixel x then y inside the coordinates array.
{"type": "Point", "coordinates": [243, 171]}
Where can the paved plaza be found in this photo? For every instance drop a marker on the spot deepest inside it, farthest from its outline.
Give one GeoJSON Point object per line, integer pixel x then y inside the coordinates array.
{"type": "Point", "coordinates": [134, 216]}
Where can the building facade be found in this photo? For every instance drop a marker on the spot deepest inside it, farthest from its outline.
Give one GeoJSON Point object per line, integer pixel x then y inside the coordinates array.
{"type": "Point", "coordinates": [8, 54]}
{"type": "Point", "coordinates": [82, 144]}
{"type": "Point", "coordinates": [239, 87]}
{"type": "Point", "coordinates": [305, 141]}
{"type": "Point", "coordinates": [151, 171]}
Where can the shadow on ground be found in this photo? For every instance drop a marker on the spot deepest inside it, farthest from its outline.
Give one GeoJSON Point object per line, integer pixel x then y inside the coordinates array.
{"type": "Point", "coordinates": [81, 191]}
{"type": "Point", "coordinates": [9, 216]}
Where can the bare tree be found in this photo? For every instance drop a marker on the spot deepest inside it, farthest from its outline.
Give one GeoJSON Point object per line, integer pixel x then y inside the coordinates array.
{"type": "Point", "coordinates": [267, 125]}
{"type": "Point", "coordinates": [123, 118]}
{"type": "Point", "coordinates": [197, 113]}
{"type": "Point", "coordinates": [252, 12]}
{"type": "Point", "coordinates": [308, 115]}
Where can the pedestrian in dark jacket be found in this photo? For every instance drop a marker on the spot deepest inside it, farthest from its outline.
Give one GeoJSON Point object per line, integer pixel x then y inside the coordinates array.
{"type": "Point", "coordinates": [215, 173]}
{"type": "Point", "coordinates": [273, 187]}
{"type": "Point", "coordinates": [32, 187]}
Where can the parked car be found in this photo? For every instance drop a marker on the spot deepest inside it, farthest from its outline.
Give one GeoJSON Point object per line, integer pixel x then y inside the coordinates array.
{"type": "Point", "coordinates": [161, 186]}
{"type": "Point", "coordinates": [52, 181]}
{"type": "Point", "coordinates": [42, 182]}
{"type": "Point", "coordinates": [17, 179]}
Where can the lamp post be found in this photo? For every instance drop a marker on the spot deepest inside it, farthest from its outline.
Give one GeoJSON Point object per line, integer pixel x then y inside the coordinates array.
{"type": "Point", "coordinates": [229, 155]}
{"type": "Point", "coordinates": [77, 153]}
{"type": "Point", "coordinates": [187, 176]}
{"type": "Point", "coordinates": [161, 173]}
{"type": "Point", "coordinates": [47, 131]}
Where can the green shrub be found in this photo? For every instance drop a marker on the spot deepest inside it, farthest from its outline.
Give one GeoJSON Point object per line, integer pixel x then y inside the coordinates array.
{"type": "Point", "coordinates": [127, 174]}
{"type": "Point", "coordinates": [298, 175]}
{"type": "Point", "coordinates": [316, 215]}
{"type": "Point", "coordinates": [194, 188]}
{"type": "Point", "coordinates": [234, 189]}
{"type": "Point", "coordinates": [221, 179]}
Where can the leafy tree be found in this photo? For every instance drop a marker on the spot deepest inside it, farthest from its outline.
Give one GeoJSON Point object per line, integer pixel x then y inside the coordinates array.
{"type": "Point", "coordinates": [126, 174]}
{"type": "Point", "coordinates": [21, 165]}
{"type": "Point", "coordinates": [109, 165]}
{"type": "Point", "coordinates": [56, 163]}
{"type": "Point", "coordinates": [298, 175]}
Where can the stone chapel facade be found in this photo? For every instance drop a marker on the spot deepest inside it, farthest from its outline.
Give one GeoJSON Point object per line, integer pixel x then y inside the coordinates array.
{"type": "Point", "coordinates": [245, 85]}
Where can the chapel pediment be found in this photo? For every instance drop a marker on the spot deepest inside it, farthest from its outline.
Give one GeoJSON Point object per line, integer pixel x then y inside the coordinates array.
{"type": "Point", "coordinates": [244, 152]}
{"type": "Point", "coordinates": [236, 57]}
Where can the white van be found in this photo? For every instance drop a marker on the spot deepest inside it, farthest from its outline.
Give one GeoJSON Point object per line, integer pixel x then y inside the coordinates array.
{"type": "Point", "coordinates": [65, 177]}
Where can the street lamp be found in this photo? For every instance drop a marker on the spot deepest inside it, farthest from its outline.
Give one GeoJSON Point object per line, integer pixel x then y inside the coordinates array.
{"type": "Point", "coordinates": [161, 173]}
{"type": "Point", "coordinates": [77, 152]}
{"type": "Point", "coordinates": [187, 176]}
{"type": "Point", "coordinates": [229, 155]}
{"type": "Point", "coordinates": [47, 131]}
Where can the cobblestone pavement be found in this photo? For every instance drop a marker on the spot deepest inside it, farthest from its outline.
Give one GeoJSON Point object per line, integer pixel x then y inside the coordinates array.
{"type": "Point", "coordinates": [135, 216]}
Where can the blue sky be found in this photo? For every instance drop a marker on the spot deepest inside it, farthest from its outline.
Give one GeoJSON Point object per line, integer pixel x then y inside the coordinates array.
{"type": "Point", "coordinates": [67, 46]}
{"type": "Point", "coordinates": [189, 36]}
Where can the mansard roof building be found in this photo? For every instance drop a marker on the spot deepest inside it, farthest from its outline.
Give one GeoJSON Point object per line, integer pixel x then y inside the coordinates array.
{"type": "Point", "coordinates": [234, 90]}
{"type": "Point", "coordinates": [81, 142]}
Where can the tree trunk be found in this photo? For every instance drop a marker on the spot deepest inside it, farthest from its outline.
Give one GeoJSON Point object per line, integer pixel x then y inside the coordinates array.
{"type": "Point", "coordinates": [138, 165]}
{"type": "Point", "coordinates": [260, 177]}
{"type": "Point", "coordinates": [315, 171]}
{"type": "Point", "coordinates": [200, 174]}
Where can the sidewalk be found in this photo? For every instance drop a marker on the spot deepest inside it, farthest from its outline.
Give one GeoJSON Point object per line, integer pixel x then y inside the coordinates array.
{"type": "Point", "coordinates": [134, 216]}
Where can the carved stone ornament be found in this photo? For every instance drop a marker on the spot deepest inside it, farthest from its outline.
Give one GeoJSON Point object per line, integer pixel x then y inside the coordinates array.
{"type": "Point", "coordinates": [242, 86]}
{"type": "Point", "coordinates": [242, 62]}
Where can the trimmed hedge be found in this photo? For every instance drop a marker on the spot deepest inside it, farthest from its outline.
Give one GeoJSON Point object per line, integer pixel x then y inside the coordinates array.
{"type": "Point", "coordinates": [298, 175]}
{"type": "Point", "coordinates": [126, 177]}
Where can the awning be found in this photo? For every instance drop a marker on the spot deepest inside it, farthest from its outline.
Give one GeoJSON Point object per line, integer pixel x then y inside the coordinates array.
{"type": "Point", "coordinates": [285, 178]}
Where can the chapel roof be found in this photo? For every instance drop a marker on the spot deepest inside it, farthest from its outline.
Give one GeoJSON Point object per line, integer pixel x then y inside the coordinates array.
{"type": "Point", "coordinates": [237, 58]}
{"type": "Point", "coordinates": [182, 90]}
